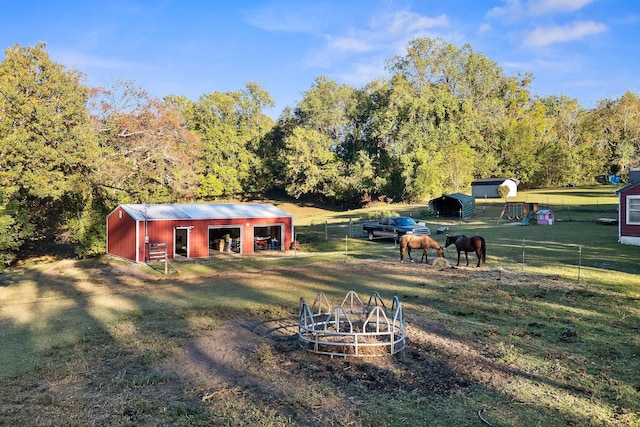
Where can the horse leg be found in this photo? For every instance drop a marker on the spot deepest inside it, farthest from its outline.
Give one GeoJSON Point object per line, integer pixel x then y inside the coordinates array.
{"type": "Point", "coordinates": [458, 258]}
{"type": "Point", "coordinates": [408, 249]}
{"type": "Point", "coordinates": [466, 255]}
{"type": "Point", "coordinates": [479, 253]}
{"type": "Point", "coordinates": [424, 255]}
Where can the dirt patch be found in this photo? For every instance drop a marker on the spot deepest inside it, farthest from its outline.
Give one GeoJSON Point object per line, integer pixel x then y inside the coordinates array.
{"type": "Point", "coordinates": [265, 359]}
{"type": "Point", "coordinates": [218, 359]}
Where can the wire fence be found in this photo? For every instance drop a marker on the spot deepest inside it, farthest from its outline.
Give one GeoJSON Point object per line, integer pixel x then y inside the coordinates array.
{"type": "Point", "coordinates": [512, 253]}
{"type": "Point", "coordinates": [352, 228]}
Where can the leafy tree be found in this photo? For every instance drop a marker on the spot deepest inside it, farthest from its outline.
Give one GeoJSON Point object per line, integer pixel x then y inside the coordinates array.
{"type": "Point", "coordinates": [47, 146]}
{"type": "Point", "coordinates": [367, 166]}
{"type": "Point", "coordinates": [257, 129]}
{"type": "Point", "coordinates": [451, 104]}
{"type": "Point", "coordinates": [503, 191]}
{"type": "Point", "coordinates": [614, 131]}
{"type": "Point", "coordinates": [232, 127]}
{"type": "Point", "coordinates": [457, 107]}
{"type": "Point", "coordinates": [310, 165]}
{"type": "Point", "coordinates": [564, 150]}
{"type": "Point", "coordinates": [325, 116]}
{"type": "Point", "coordinates": [356, 181]}
{"type": "Point", "coordinates": [458, 167]}
{"type": "Point", "coordinates": [518, 148]}
{"type": "Point", "coordinates": [325, 108]}
{"type": "Point", "coordinates": [147, 154]}
{"type": "Point", "coordinates": [15, 228]}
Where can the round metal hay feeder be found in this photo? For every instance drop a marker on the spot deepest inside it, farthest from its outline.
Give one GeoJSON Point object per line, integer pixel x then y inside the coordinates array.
{"type": "Point", "coordinates": [352, 329]}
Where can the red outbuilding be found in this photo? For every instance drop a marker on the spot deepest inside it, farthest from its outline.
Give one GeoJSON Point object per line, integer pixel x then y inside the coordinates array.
{"type": "Point", "coordinates": [134, 231]}
{"type": "Point", "coordinates": [629, 214]}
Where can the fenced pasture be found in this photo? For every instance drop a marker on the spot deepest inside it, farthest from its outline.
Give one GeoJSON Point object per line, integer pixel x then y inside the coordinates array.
{"type": "Point", "coordinates": [214, 342]}
{"type": "Point", "coordinates": [570, 248]}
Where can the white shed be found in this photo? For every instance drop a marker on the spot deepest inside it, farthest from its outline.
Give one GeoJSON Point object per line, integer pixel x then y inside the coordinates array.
{"type": "Point", "coordinates": [488, 188]}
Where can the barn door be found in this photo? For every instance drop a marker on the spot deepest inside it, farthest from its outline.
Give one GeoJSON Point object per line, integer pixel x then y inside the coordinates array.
{"type": "Point", "coordinates": [181, 241]}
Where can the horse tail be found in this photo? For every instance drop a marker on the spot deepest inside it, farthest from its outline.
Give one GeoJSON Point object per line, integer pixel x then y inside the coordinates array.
{"type": "Point", "coordinates": [402, 248]}
{"type": "Point", "coordinates": [484, 251]}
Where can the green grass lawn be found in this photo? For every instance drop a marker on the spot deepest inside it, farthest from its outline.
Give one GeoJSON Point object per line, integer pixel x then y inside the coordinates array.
{"type": "Point", "coordinates": [576, 247]}
{"type": "Point", "coordinates": [546, 335]}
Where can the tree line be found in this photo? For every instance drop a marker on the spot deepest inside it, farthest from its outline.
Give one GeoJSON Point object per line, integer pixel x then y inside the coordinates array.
{"type": "Point", "coordinates": [447, 115]}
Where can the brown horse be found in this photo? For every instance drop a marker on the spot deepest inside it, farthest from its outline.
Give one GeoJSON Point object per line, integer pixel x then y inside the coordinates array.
{"type": "Point", "coordinates": [408, 242]}
{"type": "Point", "coordinates": [469, 244]}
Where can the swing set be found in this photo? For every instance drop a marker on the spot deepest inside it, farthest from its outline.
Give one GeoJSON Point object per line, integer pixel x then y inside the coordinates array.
{"type": "Point", "coordinates": [516, 211]}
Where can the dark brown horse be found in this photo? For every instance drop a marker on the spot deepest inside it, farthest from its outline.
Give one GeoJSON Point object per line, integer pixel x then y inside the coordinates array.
{"type": "Point", "coordinates": [408, 242]}
{"type": "Point", "coordinates": [469, 244]}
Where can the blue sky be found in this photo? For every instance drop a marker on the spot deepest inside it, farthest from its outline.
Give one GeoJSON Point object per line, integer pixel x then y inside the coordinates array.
{"type": "Point", "coordinates": [584, 49]}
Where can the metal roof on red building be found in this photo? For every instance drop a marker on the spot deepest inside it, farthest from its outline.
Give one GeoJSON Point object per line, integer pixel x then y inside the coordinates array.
{"type": "Point", "coordinates": [141, 212]}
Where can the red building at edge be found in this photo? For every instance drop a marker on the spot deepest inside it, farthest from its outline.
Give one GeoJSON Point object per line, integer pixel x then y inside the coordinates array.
{"type": "Point", "coordinates": [196, 230]}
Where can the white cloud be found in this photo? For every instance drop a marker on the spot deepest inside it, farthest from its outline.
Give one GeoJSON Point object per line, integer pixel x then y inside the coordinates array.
{"type": "Point", "coordinates": [348, 44]}
{"type": "Point", "coordinates": [541, 7]}
{"type": "Point", "coordinates": [545, 36]}
{"type": "Point", "coordinates": [484, 28]}
{"type": "Point", "coordinates": [281, 18]}
{"type": "Point", "coordinates": [405, 21]}
{"type": "Point", "coordinates": [554, 64]}
{"type": "Point", "coordinates": [511, 10]}
{"type": "Point", "coordinates": [285, 23]}
{"type": "Point", "coordinates": [380, 37]}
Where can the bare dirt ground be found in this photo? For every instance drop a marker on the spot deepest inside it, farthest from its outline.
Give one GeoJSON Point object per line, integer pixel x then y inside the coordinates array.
{"type": "Point", "coordinates": [217, 361]}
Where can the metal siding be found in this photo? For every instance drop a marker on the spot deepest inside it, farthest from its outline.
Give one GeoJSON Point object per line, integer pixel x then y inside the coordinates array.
{"type": "Point", "coordinates": [489, 187]}
{"type": "Point", "coordinates": [163, 232]}
{"type": "Point", "coordinates": [198, 240]}
{"type": "Point", "coordinates": [489, 191]}
{"type": "Point", "coordinates": [461, 201]}
{"type": "Point", "coordinates": [141, 247]}
{"type": "Point", "coordinates": [126, 237]}
{"type": "Point", "coordinates": [121, 235]}
{"type": "Point", "coordinates": [627, 230]}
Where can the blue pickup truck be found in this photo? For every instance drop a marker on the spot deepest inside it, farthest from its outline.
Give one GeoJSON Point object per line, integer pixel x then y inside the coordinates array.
{"type": "Point", "coordinates": [394, 227]}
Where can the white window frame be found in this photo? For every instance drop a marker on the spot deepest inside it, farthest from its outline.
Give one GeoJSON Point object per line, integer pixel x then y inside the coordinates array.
{"type": "Point", "coordinates": [635, 210]}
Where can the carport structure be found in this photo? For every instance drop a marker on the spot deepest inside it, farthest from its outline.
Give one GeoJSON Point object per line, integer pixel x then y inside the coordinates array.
{"type": "Point", "coordinates": [454, 205]}
{"type": "Point", "coordinates": [196, 230]}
